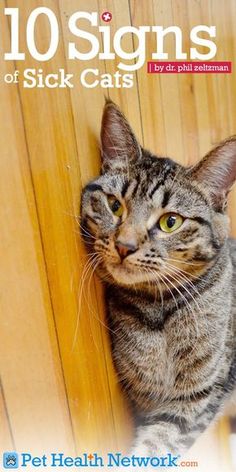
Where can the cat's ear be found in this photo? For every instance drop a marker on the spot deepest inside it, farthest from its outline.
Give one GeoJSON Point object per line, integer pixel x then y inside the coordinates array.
{"type": "Point", "coordinates": [217, 172]}
{"type": "Point", "coordinates": [119, 144]}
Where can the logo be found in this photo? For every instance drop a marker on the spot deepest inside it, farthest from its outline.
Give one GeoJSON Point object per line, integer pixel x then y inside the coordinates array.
{"type": "Point", "coordinates": [106, 16]}
{"type": "Point", "coordinates": [10, 460]}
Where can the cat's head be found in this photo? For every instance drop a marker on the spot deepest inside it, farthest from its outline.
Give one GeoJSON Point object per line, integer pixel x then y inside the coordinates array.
{"type": "Point", "coordinates": [147, 220]}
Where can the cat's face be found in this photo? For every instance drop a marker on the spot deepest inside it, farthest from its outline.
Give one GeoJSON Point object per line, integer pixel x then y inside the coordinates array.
{"type": "Point", "coordinates": [148, 221]}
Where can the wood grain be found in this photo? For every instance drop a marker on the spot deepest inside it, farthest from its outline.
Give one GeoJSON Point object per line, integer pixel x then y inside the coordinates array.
{"type": "Point", "coordinates": [6, 438]}
{"type": "Point", "coordinates": [55, 361]}
{"type": "Point", "coordinates": [31, 372]}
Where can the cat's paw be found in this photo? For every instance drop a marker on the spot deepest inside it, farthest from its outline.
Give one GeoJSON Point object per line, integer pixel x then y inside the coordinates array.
{"type": "Point", "coordinates": [148, 449]}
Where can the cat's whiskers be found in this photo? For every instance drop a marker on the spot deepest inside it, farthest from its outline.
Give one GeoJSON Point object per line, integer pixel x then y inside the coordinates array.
{"type": "Point", "coordinates": [161, 295]}
{"type": "Point", "coordinates": [175, 300]}
{"type": "Point", "coordinates": [88, 299]}
{"type": "Point", "coordinates": [107, 277]}
{"type": "Point", "coordinates": [203, 318]}
{"type": "Point", "coordinates": [181, 274]}
{"type": "Point", "coordinates": [186, 302]}
{"type": "Point", "coordinates": [87, 234]}
{"type": "Point", "coordinates": [146, 273]}
{"type": "Point", "coordinates": [83, 275]}
{"type": "Point", "coordinates": [193, 312]}
{"type": "Point", "coordinates": [87, 267]}
{"type": "Point", "coordinates": [185, 276]}
{"type": "Point", "coordinates": [161, 276]}
{"type": "Point", "coordinates": [84, 230]}
{"type": "Point", "coordinates": [77, 219]}
{"type": "Point", "coordinates": [72, 215]}
{"type": "Point", "coordinates": [158, 289]}
{"type": "Point", "coordinates": [168, 373]}
{"type": "Point", "coordinates": [181, 270]}
{"type": "Point", "coordinates": [194, 317]}
{"type": "Point", "coordinates": [171, 259]}
{"type": "Point", "coordinates": [93, 261]}
{"type": "Point", "coordinates": [158, 277]}
{"type": "Point", "coordinates": [180, 278]}
{"type": "Point", "coordinates": [93, 269]}
{"type": "Point", "coordinates": [89, 240]}
{"type": "Point", "coordinates": [169, 289]}
{"type": "Point", "coordinates": [196, 321]}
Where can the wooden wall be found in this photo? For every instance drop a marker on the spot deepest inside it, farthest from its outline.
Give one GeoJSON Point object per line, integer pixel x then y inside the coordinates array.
{"type": "Point", "coordinates": [57, 393]}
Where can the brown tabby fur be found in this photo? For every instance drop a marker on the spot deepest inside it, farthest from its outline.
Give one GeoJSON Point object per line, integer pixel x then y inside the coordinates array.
{"type": "Point", "coordinates": [171, 296]}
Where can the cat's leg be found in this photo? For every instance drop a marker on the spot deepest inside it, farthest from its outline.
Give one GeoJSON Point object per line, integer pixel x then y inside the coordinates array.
{"type": "Point", "coordinates": [169, 434]}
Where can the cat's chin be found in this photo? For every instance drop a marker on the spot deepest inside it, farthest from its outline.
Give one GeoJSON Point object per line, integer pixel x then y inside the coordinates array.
{"type": "Point", "coordinates": [124, 275]}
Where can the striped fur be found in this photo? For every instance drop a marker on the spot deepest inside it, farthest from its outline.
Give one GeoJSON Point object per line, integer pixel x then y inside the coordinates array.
{"type": "Point", "coordinates": [172, 301]}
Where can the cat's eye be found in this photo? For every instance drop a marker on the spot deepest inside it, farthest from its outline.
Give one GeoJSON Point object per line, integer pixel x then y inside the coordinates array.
{"type": "Point", "coordinates": [115, 206]}
{"type": "Point", "coordinates": [170, 222]}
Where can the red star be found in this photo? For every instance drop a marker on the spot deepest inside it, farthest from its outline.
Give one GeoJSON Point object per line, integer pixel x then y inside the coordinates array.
{"type": "Point", "coordinates": [106, 16]}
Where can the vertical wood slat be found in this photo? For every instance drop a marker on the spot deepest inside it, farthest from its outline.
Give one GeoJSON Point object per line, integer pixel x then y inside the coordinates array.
{"type": "Point", "coordinates": [170, 89]}
{"type": "Point", "coordinates": [200, 96]}
{"type": "Point", "coordinates": [126, 98]}
{"type": "Point", "coordinates": [149, 86]}
{"type": "Point", "coordinates": [186, 90]}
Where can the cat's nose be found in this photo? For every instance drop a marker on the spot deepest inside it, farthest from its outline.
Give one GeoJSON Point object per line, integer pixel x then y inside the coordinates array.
{"type": "Point", "coordinates": [124, 249]}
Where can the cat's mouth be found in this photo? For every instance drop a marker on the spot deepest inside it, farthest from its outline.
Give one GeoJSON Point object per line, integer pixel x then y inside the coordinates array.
{"type": "Point", "coordinates": [127, 274]}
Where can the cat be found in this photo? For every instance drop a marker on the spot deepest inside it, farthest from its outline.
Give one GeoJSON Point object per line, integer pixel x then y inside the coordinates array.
{"type": "Point", "coordinates": [158, 234]}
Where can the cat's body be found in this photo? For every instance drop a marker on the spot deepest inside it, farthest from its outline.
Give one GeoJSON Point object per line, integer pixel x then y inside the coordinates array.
{"type": "Point", "coordinates": [177, 373]}
{"type": "Point", "coordinates": [171, 293]}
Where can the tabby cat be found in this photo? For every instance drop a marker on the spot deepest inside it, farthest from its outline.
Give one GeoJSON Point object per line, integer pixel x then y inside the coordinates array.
{"type": "Point", "coordinates": [158, 234]}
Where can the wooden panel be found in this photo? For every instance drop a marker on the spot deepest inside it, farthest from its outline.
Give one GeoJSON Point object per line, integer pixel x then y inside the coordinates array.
{"type": "Point", "coordinates": [149, 86]}
{"type": "Point", "coordinates": [53, 153]}
{"type": "Point", "coordinates": [6, 438]}
{"type": "Point", "coordinates": [123, 96]}
{"type": "Point", "coordinates": [200, 89]}
{"type": "Point", "coordinates": [55, 358]}
{"type": "Point", "coordinates": [186, 90]}
{"type": "Point", "coordinates": [29, 359]}
{"type": "Point", "coordinates": [206, 94]}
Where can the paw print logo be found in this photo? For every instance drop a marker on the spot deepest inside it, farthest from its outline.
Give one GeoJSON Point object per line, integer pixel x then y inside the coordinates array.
{"type": "Point", "coordinates": [10, 460]}
{"type": "Point", "coordinates": [106, 16]}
